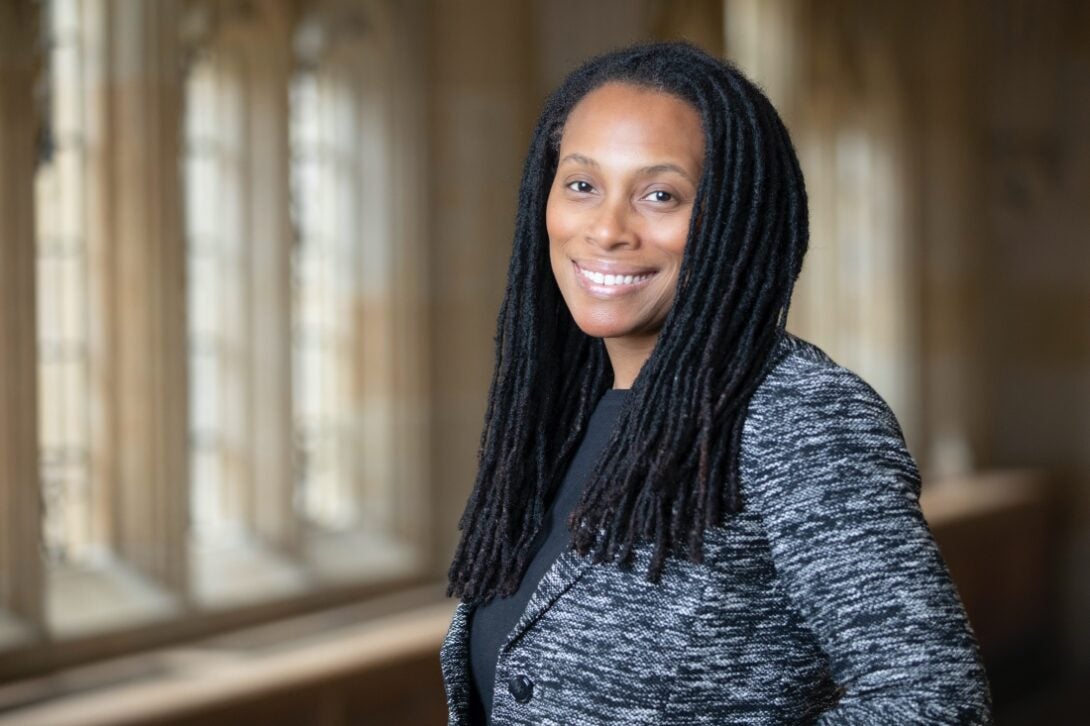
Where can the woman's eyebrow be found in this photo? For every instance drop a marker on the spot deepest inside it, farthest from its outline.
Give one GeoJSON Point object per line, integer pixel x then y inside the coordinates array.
{"type": "Point", "coordinates": [658, 168]}
{"type": "Point", "coordinates": [580, 159]}
{"type": "Point", "coordinates": [653, 169]}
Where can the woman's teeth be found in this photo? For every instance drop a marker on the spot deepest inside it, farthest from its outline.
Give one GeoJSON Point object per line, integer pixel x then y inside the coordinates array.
{"type": "Point", "coordinates": [599, 279]}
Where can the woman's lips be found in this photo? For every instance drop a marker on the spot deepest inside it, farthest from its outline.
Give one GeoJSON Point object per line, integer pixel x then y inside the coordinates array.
{"type": "Point", "coordinates": [610, 284]}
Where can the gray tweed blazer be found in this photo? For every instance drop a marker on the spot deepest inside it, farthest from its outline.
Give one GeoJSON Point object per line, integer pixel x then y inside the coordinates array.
{"type": "Point", "coordinates": [824, 601]}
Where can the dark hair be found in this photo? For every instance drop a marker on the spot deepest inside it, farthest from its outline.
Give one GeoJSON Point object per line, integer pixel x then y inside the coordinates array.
{"type": "Point", "coordinates": [670, 469]}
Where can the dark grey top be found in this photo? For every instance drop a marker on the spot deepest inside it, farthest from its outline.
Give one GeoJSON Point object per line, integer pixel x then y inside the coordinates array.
{"type": "Point", "coordinates": [825, 600]}
{"type": "Point", "coordinates": [491, 622]}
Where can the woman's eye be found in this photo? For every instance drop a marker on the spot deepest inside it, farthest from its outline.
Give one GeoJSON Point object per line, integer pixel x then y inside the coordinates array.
{"type": "Point", "coordinates": [661, 196]}
{"type": "Point", "coordinates": [580, 186]}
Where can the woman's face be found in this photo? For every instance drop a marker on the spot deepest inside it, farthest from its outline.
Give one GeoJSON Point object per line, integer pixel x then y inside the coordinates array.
{"type": "Point", "coordinates": [619, 208]}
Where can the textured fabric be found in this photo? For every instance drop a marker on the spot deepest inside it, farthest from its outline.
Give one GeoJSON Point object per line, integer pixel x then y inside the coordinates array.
{"type": "Point", "coordinates": [490, 623]}
{"type": "Point", "coordinates": [824, 601]}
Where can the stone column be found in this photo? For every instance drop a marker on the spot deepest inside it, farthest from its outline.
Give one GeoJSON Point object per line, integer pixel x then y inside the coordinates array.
{"type": "Point", "coordinates": [272, 481]}
{"type": "Point", "coordinates": [20, 510]}
{"type": "Point", "coordinates": [480, 130]}
{"type": "Point", "coordinates": [146, 289]}
{"type": "Point", "coordinates": [945, 100]}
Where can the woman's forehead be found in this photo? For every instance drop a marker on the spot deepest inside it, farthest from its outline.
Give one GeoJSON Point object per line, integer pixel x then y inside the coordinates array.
{"type": "Point", "coordinates": [624, 119]}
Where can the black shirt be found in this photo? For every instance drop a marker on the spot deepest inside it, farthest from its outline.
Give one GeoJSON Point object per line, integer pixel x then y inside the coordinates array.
{"type": "Point", "coordinates": [490, 623]}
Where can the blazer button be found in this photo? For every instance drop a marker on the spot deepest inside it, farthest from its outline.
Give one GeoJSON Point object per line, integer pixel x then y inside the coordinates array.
{"type": "Point", "coordinates": [521, 687]}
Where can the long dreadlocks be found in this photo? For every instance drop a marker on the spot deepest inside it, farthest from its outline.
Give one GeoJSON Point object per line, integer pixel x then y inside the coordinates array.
{"type": "Point", "coordinates": [670, 469]}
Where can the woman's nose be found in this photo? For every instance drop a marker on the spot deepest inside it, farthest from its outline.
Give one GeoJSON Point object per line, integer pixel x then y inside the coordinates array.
{"type": "Point", "coordinates": [611, 225]}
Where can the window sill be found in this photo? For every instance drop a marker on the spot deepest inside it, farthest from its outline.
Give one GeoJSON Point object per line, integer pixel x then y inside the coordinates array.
{"type": "Point", "coordinates": [13, 632]}
{"type": "Point", "coordinates": [109, 595]}
{"type": "Point", "coordinates": [205, 675]}
{"type": "Point", "coordinates": [245, 572]}
{"type": "Point", "coordinates": [241, 573]}
{"type": "Point", "coordinates": [359, 555]}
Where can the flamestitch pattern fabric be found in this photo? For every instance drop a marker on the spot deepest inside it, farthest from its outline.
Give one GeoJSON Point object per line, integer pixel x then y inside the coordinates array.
{"type": "Point", "coordinates": [825, 601]}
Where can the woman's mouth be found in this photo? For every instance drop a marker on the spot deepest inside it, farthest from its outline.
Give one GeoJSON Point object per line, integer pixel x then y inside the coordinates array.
{"type": "Point", "coordinates": [609, 284]}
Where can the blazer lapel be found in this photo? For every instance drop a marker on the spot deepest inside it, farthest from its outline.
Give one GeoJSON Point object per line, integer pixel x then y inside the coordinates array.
{"type": "Point", "coordinates": [454, 662]}
{"type": "Point", "coordinates": [558, 579]}
{"type": "Point", "coordinates": [454, 653]}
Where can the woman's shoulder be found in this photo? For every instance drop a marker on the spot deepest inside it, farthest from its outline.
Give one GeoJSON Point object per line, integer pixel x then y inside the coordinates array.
{"type": "Point", "coordinates": [798, 363]}
{"type": "Point", "coordinates": [816, 434]}
{"type": "Point", "coordinates": [804, 379]}
{"type": "Point", "coordinates": [808, 400]}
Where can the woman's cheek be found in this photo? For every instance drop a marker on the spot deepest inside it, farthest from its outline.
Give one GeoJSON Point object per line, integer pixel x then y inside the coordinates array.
{"type": "Point", "coordinates": [560, 223]}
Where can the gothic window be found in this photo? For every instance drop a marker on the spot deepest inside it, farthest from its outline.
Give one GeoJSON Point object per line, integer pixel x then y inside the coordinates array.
{"type": "Point", "coordinates": [222, 349]}
{"type": "Point", "coordinates": [342, 296]}
{"type": "Point", "coordinates": [69, 526]}
{"type": "Point", "coordinates": [216, 254]}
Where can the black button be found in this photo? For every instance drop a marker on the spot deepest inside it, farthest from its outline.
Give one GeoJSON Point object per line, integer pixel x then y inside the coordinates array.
{"type": "Point", "coordinates": [521, 687]}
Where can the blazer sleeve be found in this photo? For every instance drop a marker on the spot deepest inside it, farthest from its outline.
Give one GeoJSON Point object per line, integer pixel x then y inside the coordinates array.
{"type": "Point", "coordinates": [838, 494]}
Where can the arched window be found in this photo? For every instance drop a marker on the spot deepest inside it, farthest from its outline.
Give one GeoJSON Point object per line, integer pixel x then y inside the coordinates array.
{"type": "Point", "coordinates": [297, 444]}
{"type": "Point", "coordinates": [839, 98]}
{"type": "Point", "coordinates": [326, 179]}
{"type": "Point", "coordinates": [217, 305]}
{"type": "Point", "coordinates": [345, 340]}
{"type": "Point", "coordinates": [230, 415]}
{"type": "Point", "coordinates": [241, 536]}
{"type": "Point", "coordinates": [96, 326]}
{"type": "Point", "coordinates": [70, 530]}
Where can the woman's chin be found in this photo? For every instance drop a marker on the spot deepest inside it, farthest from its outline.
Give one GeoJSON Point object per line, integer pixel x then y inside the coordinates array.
{"type": "Point", "coordinates": [609, 328]}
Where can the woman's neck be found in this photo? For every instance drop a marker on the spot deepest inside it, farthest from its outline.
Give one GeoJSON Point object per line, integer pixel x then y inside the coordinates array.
{"type": "Point", "coordinates": [627, 356]}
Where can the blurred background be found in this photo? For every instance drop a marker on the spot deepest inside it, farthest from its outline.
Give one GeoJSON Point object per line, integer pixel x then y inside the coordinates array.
{"type": "Point", "coordinates": [251, 256]}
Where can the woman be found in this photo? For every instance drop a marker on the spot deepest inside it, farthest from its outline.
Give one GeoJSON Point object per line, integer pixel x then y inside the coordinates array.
{"type": "Point", "coordinates": [684, 514]}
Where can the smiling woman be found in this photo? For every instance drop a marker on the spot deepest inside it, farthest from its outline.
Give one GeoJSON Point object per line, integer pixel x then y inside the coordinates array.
{"type": "Point", "coordinates": [683, 513]}
{"type": "Point", "coordinates": [618, 215]}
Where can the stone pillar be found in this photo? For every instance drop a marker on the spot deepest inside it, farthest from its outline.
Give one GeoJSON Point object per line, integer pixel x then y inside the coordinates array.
{"type": "Point", "coordinates": [481, 116]}
{"type": "Point", "coordinates": [20, 510]}
{"type": "Point", "coordinates": [271, 486]}
{"type": "Point", "coordinates": [945, 101]}
{"type": "Point", "coordinates": [146, 288]}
